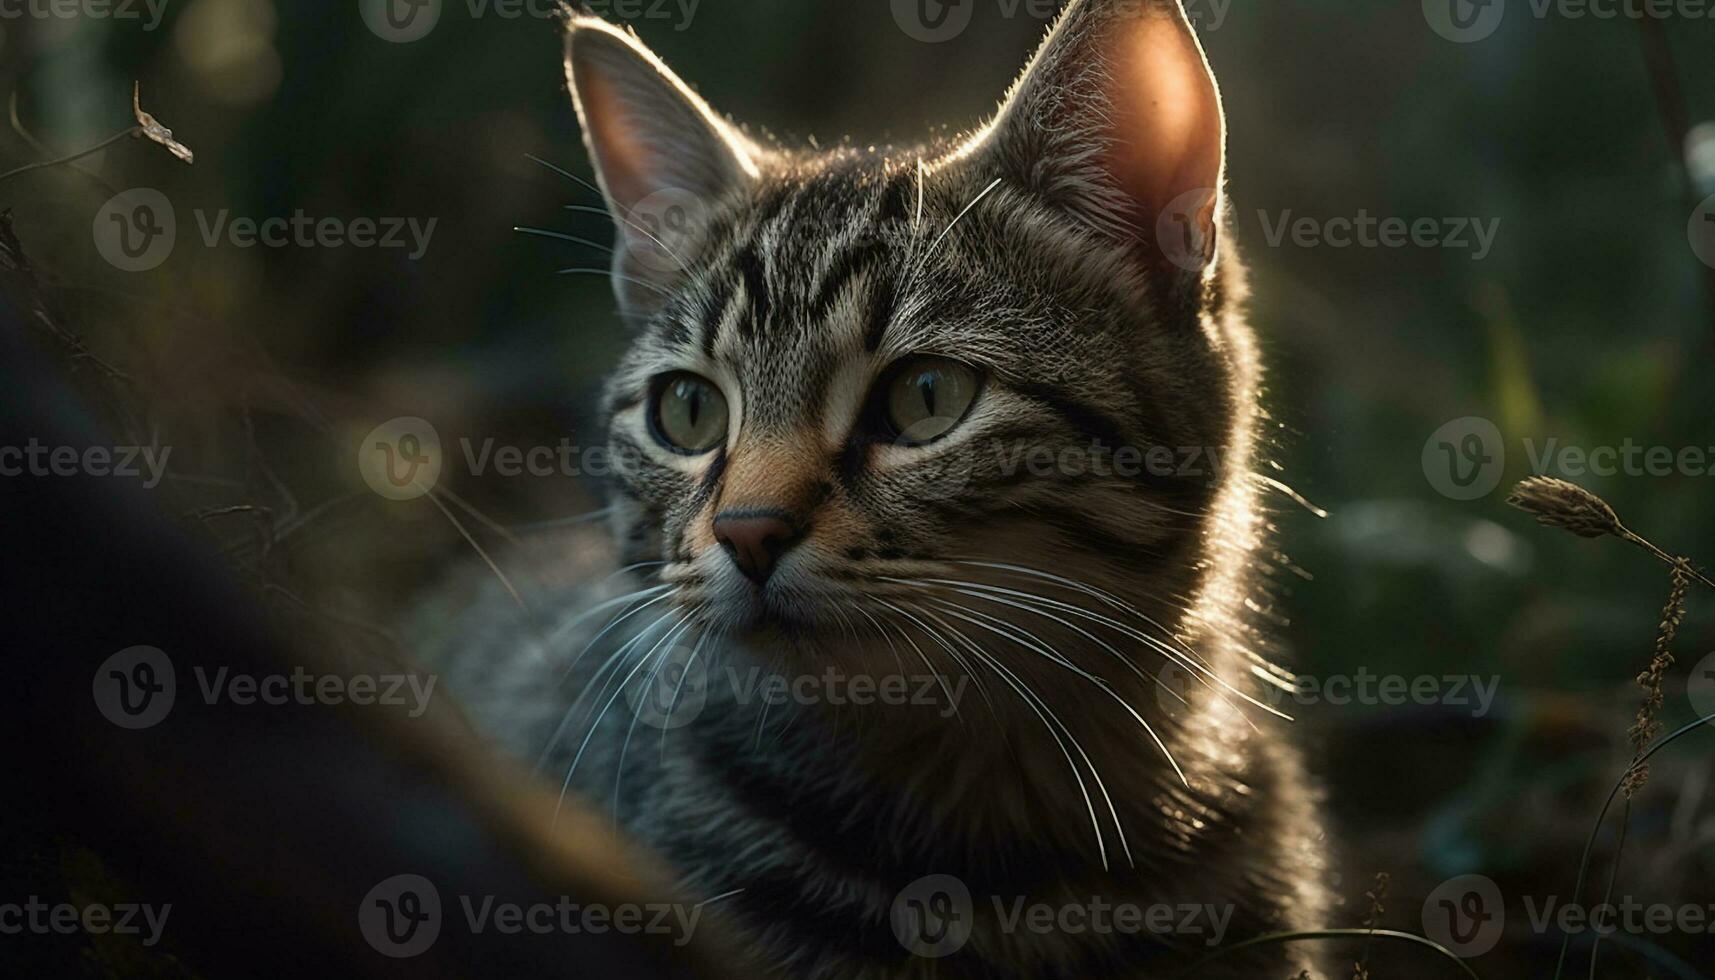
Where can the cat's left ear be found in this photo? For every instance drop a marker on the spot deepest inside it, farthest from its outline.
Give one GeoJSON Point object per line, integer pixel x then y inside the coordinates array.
{"type": "Point", "coordinates": [1118, 120]}
{"type": "Point", "coordinates": [663, 157]}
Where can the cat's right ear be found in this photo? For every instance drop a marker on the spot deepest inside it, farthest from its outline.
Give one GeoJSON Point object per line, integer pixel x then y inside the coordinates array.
{"type": "Point", "coordinates": [662, 156]}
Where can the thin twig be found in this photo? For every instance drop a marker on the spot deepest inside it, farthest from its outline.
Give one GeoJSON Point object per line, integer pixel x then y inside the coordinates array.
{"type": "Point", "coordinates": [79, 155]}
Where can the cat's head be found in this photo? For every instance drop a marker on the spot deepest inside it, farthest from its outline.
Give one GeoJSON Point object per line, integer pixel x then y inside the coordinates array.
{"type": "Point", "coordinates": [874, 387]}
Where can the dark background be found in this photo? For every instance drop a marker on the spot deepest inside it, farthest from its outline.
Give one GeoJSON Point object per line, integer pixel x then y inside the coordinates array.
{"type": "Point", "coordinates": [1591, 322]}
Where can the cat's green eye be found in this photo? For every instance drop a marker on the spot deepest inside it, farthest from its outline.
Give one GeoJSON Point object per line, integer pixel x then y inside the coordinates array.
{"type": "Point", "coordinates": [927, 397]}
{"type": "Point", "coordinates": [690, 414]}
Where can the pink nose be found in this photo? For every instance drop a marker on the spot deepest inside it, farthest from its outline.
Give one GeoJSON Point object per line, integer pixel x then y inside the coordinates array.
{"type": "Point", "coordinates": [755, 540]}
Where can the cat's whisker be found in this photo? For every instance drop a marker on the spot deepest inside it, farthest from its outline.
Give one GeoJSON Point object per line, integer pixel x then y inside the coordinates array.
{"type": "Point", "coordinates": [559, 522]}
{"type": "Point", "coordinates": [654, 590]}
{"type": "Point", "coordinates": [563, 237]}
{"type": "Point", "coordinates": [916, 273]}
{"type": "Point", "coordinates": [590, 687]}
{"type": "Point", "coordinates": [1049, 720]}
{"type": "Point", "coordinates": [545, 644]}
{"type": "Point", "coordinates": [922, 178]}
{"type": "Point", "coordinates": [990, 189]}
{"type": "Point", "coordinates": [882, 634]}
{"type": "Point", "coordinates": [622, 277]}
{"type": "Point", "coordinates": [1199, 672]}
{"type": "Point", "coordinates": [666, 647]}
{"type": "Point", "coordinates": [940, 641]}
{"type": "Point", "coordinates": [1035, 643]}
{"type": "Point", "coordinates": [626, 219]}
{"type": "Point", "coordinates": [566, 174]}
{"type": "Point", "coordinates": [434, 497]}
{"type": "Point", "coordinates": [762, 716]}
{"type": "Point", "coordinates": [595, 725]}
{"type": "Point", "coordinates": [475, 512]}
{"type": "Point", "coordinates": [1031, 643]}
{"type": "Point", "coordinates": [679, 688]}
{"type": "Point", "coordinates": [1105, 596]}
{"type": "Point", "coordinates": [1191, 661]}
{"type": "Point", "coordinates": [1110, 648]}
{"type": "Point", "coordinates": [940, 681]}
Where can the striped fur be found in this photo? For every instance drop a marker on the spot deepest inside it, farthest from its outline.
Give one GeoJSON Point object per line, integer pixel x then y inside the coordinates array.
{"type": "Point", "coordinates": [1055, 598]}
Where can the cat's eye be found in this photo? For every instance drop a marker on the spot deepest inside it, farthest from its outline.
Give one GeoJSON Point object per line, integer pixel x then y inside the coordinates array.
{"type": "Point", "coordinates": [927, 397]}
{"type": "Point", "coordinates": [690, 414]}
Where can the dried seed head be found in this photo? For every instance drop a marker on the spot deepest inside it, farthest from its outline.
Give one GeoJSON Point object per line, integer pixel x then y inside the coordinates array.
{"type": "Point", "coordinates": [1557, 503]}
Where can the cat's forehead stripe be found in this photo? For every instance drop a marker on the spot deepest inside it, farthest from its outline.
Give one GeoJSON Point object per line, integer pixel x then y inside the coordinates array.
{"type": "Point", "coordinates": [802, 248]}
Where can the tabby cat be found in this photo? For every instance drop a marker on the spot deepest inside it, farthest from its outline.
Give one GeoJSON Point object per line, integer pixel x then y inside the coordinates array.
{"type": "Point", "coordinates": [925, 627]}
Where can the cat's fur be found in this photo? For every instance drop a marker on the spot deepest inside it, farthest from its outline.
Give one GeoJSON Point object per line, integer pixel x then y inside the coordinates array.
{"type": "Point", "coordinates": [1029, 251]}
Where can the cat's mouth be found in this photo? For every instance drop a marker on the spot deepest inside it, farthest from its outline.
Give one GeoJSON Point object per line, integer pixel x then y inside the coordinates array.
{"type": "Point", "coordinates": [797, 607]}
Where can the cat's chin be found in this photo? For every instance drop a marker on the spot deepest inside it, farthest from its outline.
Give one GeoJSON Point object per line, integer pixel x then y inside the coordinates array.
{"type": "Point", "coordinates": [797, 637]}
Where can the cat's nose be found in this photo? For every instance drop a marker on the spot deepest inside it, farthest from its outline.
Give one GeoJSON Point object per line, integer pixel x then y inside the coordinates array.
{"type": "Point", "coordinates": [755, 540]}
